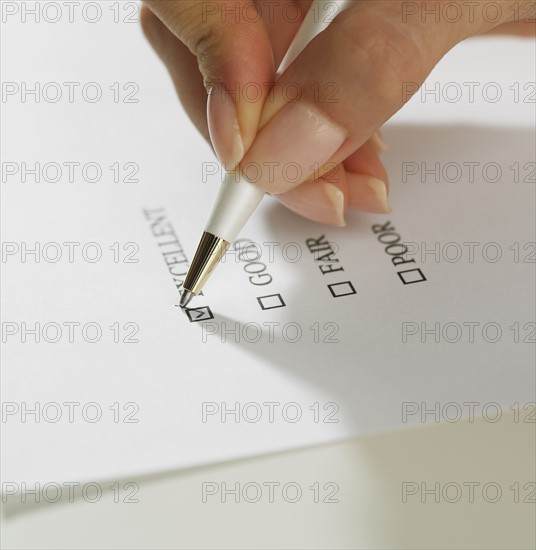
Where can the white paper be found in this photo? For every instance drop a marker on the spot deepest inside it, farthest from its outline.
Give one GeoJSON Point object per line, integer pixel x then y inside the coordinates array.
{"type": "Point", "coordinates": [150, 394]}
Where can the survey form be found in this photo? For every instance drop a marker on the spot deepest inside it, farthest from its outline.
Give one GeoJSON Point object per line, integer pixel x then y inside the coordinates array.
{"type": "Point", "coordinates": [306, 334]}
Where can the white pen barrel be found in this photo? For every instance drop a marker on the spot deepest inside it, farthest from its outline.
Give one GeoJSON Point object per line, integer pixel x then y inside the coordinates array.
{"type": "Point", "coordinates": [238, 198]}
{"type": "Point", "coordinates": [234, 205]}
{"type": "Point", "coordinates": [317, 19]}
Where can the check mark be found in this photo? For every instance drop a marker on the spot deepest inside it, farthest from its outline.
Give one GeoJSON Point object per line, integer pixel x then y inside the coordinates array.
{"type": "Point", "coordinates": [197, 314]}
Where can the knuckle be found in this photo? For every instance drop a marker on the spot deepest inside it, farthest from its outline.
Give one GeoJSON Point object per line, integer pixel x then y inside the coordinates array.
{"type": "Point", "coordinates": [201, 35]}
{"type": "Point", "coordinates": [389, 56]}
{"type": "Point", "coordinates": [188, 22]}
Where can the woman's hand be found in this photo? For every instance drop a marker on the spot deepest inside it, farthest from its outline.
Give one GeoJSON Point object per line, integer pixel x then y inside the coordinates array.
{"type": "Point", "coordinates": [313, 139]}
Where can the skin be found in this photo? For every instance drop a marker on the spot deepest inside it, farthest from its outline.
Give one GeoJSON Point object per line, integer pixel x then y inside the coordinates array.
{"type": "Point", "coordinates": [368, 52]}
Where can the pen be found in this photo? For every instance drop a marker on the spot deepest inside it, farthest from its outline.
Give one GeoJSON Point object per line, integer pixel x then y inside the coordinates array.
{"type": "Point", "coordinates": [238, 198]}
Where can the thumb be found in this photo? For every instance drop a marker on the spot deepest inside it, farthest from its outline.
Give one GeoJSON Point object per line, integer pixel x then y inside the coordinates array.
{"type": "Point", "coordinates": [351, 79]}
{"type": "Point", "coordinates": [233, 50]}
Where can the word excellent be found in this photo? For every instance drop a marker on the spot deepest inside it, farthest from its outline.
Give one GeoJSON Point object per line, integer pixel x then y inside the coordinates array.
{"type": "Point", "coordinates": [168, 243]}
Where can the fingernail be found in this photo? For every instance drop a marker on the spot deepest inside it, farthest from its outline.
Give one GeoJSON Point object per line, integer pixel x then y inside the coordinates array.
{"type": "Point", "coordinates": [224, 128]}
{"type": "Point", "coordinates": [318, 201]}
{"type": "Point", "coordinates": [368, 194]}
{"type": "Point", "coordinates": [379, 145]}
{"type": "Point", "coordinates": [291, 147]}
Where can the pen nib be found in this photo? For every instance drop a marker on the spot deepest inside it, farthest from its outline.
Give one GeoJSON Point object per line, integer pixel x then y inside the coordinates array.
{"type": "Point", "coordinates": [186, 297]}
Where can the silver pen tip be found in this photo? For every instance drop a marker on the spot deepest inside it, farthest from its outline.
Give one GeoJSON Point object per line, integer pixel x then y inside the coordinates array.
{"type": "Point", "coordinates": [186, 297]}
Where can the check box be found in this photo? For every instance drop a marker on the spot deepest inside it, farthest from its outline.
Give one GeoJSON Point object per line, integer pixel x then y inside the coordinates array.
{"type": "Point", "coordinates": [272, 301]}
{"type": "Point", "coordinates": [197, 314]}
{"type": "Point", "coordinates": [342, 289]}
{"type": "Point", "coordinates": [411, 276]}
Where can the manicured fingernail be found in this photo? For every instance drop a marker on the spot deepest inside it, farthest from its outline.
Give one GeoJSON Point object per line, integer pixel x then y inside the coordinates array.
{"type": "Point", "coordinates": [291, 147]}
{"type": "Point", "coordinates": [318, 201]}
{"type": "Point", "coordinates": [224, 128]}
{"type": "Point", "coordinates": [368, 194]}
{"type": "Point", "coordinates": [379, 145]}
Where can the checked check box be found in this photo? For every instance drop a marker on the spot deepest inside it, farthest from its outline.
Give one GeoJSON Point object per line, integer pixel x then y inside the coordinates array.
{"type": "Point", "coordinates": [272, 301]}
{"type": "Point", "coordinates": [197, 314]}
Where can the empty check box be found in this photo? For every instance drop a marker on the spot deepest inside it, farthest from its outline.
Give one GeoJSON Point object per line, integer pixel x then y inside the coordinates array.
{"type": "Point", "coordinates": [272, 301]}
{"type": "Point", "coordinates": [197, 314]}
{"type": "Point", "coordinates": [342, 289]}
{"type": "Point", "coordinates": [411, 276]}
